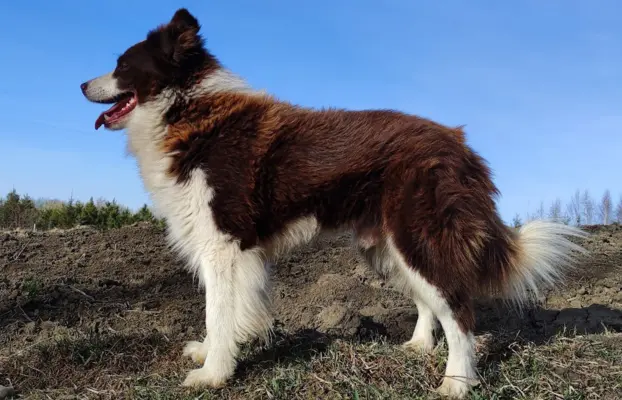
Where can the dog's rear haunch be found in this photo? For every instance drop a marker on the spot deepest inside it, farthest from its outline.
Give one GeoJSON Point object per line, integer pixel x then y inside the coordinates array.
{"type": "Point", "coordinates": [242, 177]}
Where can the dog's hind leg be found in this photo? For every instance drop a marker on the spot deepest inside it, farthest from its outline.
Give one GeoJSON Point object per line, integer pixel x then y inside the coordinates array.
{"type": "Point", "coordinates": [378, 256]}
{"type": "Point", "coordinates": [455, 312]}
{"type": "Point", "coordinates": [423, 336]}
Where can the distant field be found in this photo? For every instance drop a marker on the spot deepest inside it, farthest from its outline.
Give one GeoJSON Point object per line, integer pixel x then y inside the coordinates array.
{"type": "Point", "coordinates": [104, 315]}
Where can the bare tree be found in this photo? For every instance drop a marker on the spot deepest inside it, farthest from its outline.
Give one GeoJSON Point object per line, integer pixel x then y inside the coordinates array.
{"type": "Point", "coordinates": [516, 222]}
{"type": "Point", "coordinates": [588, 207]}
{"type": "Point", "coordinates": [540, 211]}
{"type": "Point", "coordinates": [555, 212]}
{"type": "Point", "coordinates": [574, 208]}
{"type": "Point", "coordinates": [605, 209]}
{"type": "Point", "coordinates": [532, 216]}
{"type": "Point", "coordinates": [100, 202]}
{"type": "Point", "coordinates": [619, 211]}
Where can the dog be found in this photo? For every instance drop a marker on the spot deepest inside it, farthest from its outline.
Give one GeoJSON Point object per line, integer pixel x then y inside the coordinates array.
{"type": "Point", "coordinates": [242, 177]}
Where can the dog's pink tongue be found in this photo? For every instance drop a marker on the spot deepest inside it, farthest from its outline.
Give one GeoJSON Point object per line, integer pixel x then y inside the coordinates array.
{"type": "Point", "coordinates": [100, 121]}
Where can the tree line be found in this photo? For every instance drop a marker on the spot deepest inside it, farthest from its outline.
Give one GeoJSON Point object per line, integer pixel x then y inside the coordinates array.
{"type": "Point", "coordinates": [21, 211]}
{"type": "Point", "coordinates": [581, 209]}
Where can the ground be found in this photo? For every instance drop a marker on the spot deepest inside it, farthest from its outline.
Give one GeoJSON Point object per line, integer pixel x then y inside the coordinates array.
{"type": "Point", "coordinates": [88, 314]}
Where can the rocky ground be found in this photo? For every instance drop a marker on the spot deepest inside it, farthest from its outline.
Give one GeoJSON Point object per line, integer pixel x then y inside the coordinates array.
{"type": "Point", "coordinates": [89, 314]}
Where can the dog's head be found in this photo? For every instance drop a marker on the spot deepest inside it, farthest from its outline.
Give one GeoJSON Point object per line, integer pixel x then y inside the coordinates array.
{"type": "Point", "coordinates": [171, 57]}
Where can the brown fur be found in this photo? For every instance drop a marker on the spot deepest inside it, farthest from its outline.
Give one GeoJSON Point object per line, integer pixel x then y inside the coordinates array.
{"type": "Point", "coordinates": [378, 172]}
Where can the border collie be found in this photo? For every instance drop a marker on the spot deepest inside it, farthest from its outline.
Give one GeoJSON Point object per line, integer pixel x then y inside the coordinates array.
{"type": "Point", "coordinates": [241, 177]}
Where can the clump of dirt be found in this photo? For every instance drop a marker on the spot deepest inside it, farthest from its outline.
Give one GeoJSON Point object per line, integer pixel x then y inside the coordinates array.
{"type": "Point", "coordinates": [126, 282]}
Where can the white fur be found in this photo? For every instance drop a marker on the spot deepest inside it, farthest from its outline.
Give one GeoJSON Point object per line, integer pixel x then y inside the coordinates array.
{"type": "Point", "coordinates": [423, 336]}
{"type": "Point", "coordinates": [545, 254]}
{"type": "Point", "coordinates": [221, 80]}
{"type": "Point", "coordinates": [301, 231]}
{"type": "Point", "coordinates": [381, 261]}
{"type": "Point", "coordinates": [460, 373]}
{"type": "Point", "coordinates": [102, 88]}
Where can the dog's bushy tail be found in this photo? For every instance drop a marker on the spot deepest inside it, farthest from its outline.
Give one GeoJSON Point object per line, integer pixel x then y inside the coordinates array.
{"type": "Point", "coordinates": [543, 253]}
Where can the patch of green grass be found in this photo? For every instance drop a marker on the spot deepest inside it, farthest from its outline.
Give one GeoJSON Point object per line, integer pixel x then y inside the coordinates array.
{"type": "Point", "coordinates": [32, 287]}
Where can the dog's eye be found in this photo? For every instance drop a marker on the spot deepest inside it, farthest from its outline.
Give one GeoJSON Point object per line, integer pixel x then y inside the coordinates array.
{"type": "Point", "coordinates": [122, 66]}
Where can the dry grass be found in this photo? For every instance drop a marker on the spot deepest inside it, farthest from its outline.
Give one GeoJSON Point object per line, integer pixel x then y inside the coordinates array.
{"type": "Point", "coordinates": [112, 325]}
{"type": "Point", "coordinates": [146, 365]}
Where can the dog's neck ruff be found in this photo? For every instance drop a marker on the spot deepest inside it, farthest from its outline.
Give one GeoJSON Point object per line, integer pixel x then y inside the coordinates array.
{"type": "Point", "coordinates": [147, 128]}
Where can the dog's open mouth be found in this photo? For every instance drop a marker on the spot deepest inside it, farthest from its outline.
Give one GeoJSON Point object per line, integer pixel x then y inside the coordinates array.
{"type": "Point", "coordinates": [123, 105]}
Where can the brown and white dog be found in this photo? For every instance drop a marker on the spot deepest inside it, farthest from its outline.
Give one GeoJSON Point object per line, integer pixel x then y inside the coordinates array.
{"type": "Point", "coordinates": [242, 177]}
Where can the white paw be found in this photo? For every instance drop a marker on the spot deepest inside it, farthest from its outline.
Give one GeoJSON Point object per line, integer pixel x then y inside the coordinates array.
{"type": "Point", "coordinates": [456, 388]}
{"type": "Point", "coordinates": [202, 378]}
{"type": "Point", "coordinates": [425, 346]}
{"type": "Point", "coordinates": [196, 350]}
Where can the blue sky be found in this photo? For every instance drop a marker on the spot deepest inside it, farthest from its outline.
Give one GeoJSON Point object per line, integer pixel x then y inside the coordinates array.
{"type": "Point", "coordinates": [537, 83]}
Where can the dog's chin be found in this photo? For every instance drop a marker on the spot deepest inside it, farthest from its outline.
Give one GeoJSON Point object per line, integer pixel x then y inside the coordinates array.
{"type": "Point", "coordinates": [118, 125]}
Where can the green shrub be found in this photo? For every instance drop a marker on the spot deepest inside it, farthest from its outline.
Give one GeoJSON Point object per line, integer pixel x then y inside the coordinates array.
{"type": "Point", "coordinates": [20, 211]}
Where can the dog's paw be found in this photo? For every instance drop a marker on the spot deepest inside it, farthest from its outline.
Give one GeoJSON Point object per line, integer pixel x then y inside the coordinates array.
{"type": "Point", "coordinates": [456, 388]}
{"type": "Point", "coordinates": [197, 351]}
{"type": "Point", "coordinates": [419, 345]}
{"type": "Point", "coordinates": [202, 378]}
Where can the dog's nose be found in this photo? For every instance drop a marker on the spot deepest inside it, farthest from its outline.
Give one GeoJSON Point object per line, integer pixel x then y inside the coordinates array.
{"type": "Point", "coordinates": [83, 86]}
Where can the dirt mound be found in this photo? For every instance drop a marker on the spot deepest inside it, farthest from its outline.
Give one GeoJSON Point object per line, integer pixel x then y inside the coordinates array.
{"type": "Point", "coordinates": [126, 282]}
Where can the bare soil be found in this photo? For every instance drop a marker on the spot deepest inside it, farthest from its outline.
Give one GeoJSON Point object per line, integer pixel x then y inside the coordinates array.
{"type": "Point", "coordinates": [90, 314]}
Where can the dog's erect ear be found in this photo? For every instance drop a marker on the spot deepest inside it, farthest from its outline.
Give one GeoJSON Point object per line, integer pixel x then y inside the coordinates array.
{"type": "Point", "coordinates": [184, 20]}
{"type": "Point", "coordinates": [179, 39]}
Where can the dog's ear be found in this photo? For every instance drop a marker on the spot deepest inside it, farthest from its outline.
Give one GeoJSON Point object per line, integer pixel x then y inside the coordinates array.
{"type": "Point", "coordinates": [184, 20]}
{"type": "Point", "coordinates": [180, 38]}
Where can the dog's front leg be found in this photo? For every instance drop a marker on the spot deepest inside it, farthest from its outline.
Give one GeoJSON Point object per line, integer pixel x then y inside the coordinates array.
{"type": "Point", "coordinates": [236, 309]}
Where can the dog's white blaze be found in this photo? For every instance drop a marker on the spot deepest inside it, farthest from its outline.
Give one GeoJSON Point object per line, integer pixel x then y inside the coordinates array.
{"type": "Point", "coordinates": [102, 88]}
{"type": "Point", "coordinates": [460, 372]}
